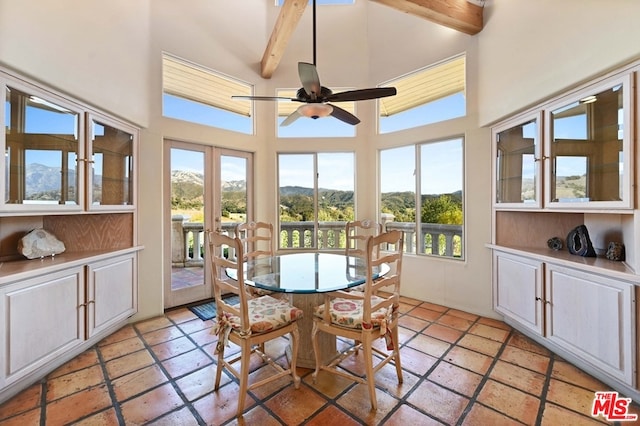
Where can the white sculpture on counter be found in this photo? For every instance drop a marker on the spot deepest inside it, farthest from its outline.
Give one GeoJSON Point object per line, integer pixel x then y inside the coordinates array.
{"type": "Point", "coordinates": [40, 243]}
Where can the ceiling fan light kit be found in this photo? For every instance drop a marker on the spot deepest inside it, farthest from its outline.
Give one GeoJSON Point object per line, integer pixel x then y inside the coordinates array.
{"type": "Point", "coordinates": [315, 110]}
{"type": "Point", "coordinates": [315, 96]}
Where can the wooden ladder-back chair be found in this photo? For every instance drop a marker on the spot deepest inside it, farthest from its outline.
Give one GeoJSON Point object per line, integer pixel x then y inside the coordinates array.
{"type": "Point", "coordinates": [366, 316]}
{"type": "Point", "coordinates": [256, 238]}
{"type": "Point", "coordinates": [356, 240]}
{"type": "Point", "coordinates": [257, 241]}
{"type": "Point", "coordinates": [357, 232]}
{"type": "Point", "coordinates": [249, 323]}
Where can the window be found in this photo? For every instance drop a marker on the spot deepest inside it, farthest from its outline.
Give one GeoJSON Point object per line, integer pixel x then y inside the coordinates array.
{"type": "Point", "coordinates": [305, 127]}
{"type": "Point", "coordinates": [193, 93]}
{"type": "Point", "coordinates": [429, 95]}
{"type": "Point", "coordinates": [432, 222]}
{"type": "Point", "coordinates": [316, 196]}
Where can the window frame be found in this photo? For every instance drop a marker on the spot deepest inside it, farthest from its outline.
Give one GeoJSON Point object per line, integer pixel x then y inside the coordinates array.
{"type": "Point", "coordinates": [316, 203]}
{"type": "Point", "coordinates": [415, 235]}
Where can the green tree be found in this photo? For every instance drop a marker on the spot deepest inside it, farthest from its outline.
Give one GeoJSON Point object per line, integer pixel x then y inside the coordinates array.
{"type": "Point", "coordinates": [442, 209]}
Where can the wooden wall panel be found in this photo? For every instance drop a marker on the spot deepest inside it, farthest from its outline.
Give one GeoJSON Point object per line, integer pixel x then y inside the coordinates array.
{"type": "Point", "coordinates": [111, 231]}
{"type": "Point", "coordinates": [533, 229]}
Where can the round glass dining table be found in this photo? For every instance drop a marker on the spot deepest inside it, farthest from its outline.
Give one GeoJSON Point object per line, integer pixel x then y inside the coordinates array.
{"type": "Point", "coordinates": [306, 272]}
{"type": "Point", "coordinates": [305, 276]}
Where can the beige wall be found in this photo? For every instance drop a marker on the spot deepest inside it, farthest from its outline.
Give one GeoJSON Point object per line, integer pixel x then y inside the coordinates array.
{"type": "Point", "coordinates": [531, 50]}
{"type": "Point", "coordinates": [108, 54]}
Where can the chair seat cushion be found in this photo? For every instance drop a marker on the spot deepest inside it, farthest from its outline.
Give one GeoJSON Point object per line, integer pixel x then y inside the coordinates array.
{"type": "Point", "coordinates": [267, 313]}
{"type": "Point", "coordinates": [349, 313]}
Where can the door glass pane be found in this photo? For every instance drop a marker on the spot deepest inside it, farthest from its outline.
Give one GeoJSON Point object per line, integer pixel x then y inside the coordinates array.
{"type": "Point", "coordinates": [112, 174]}
{"type": "Point", "coordinates": [587, 148]}
{"type": "Point", "coordinates": [516, 166]}
{"type": "Point", "coordinates": [296, 186]}
{"type": "Point", "coordinates": [41, 150]}
{"type": "Point", "coordinates": [187, 218]}
{"type": "Point", "coordinates": [233, 192]}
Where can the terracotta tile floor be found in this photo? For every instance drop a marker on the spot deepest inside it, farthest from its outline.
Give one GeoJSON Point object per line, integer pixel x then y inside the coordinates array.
{"type": "Point", "coordinates": [459, 369]}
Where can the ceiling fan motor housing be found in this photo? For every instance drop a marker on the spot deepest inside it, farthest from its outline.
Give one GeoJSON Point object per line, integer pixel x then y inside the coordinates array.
{"type": "Point", "coordinates": [303, 96]}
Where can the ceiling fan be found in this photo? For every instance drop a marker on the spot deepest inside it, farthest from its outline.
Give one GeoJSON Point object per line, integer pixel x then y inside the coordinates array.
{"type": "Point", "coordinates": [316, 98]}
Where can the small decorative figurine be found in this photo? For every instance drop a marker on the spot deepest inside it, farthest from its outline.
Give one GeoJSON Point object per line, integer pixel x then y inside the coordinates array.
{"type": "Point", "coordinates": [555, 243]}
{"type": "Point", "coordinates": [615, 251]}
{"type": "Point", "coordinates": [579, 243]}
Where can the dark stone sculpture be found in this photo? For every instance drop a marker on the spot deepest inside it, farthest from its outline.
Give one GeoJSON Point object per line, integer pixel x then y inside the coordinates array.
{"type": "Point", "coordinates": [579, 243]}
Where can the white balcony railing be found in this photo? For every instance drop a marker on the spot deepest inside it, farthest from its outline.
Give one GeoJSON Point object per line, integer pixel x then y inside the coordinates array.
{"type": "Point", "coordinates": [437, 239]}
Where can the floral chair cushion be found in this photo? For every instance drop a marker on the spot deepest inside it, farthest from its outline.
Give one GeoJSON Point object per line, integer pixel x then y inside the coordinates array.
{"type": "Point", "coordinates": [265, 314]}
{"type": "Point", "coordinates": [349, 313]}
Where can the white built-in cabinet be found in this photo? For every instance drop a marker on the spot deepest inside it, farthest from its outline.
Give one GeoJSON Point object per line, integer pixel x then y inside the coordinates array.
{"type": "Point", "coordinates": [72, 170]}
{"type": "Point", "coordinates": [48, 316]}
{"type": "Point", "coordinates": [587, 314]}
{"type": "Point", "coordinates": [566, 162]}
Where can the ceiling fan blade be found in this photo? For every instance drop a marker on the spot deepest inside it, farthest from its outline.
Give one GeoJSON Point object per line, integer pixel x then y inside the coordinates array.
{"type": "Point", "coordinates": [264, 98]}
{"type": "Point", "coordinates": [344, 115]}
{"type": "Point", "coordinates": [291, 118]}
{"type": "Point", "coordinates": [362, 94]}
{"type": "Point", "coordinates": [310, 80]}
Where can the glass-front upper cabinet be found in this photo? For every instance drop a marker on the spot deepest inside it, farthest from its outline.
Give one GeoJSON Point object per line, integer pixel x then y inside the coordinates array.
{"type": "Point", "coordinates": [61, 156]}
{"type": "Point", "coordinates": [111, 160]}
{"type": "Point", "coordinates": [589, 152]}
{"type": "Point", "coordinates": [517, 165]}
{"type": "Point", "coordinates": [42, 140]}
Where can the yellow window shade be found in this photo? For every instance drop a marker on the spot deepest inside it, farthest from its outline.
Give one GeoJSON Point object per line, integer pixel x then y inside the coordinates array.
{"type": "Point", "coordinates": [190, 81]}
{"type": "Point", "coordinates": [424, 86]}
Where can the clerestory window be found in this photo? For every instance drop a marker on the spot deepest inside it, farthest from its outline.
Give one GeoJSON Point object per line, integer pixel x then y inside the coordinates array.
{"type": "Point", "coordinates": [429, 95]}
{"type": "Point", "coordinates": [193, 93]}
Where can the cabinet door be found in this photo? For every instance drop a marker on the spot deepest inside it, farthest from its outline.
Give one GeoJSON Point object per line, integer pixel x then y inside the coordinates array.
{"type": "Point", "coordinates": [111, 150]}
{"type": "Point", "coordinates": [112, 292]}
{"type": "Point", "coordinates": [41, 319]}
{"type": "Point", "coordinates": [516, 163]}
{"type": "Point", "coordinates": [589, 157]}
{"type": "Point", "coordinates": [518, 289]}
{"type": "Point", "coordinates": [594, 318]}
{"type": "Point", "coordinates": [41, 137]}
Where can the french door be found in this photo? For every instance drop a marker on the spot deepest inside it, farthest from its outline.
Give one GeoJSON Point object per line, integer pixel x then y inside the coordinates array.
{"type": "Point", "coordinates": [206, 188]}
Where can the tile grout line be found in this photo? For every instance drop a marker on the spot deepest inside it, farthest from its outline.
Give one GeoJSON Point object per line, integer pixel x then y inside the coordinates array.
{"type": "Point", "coordinates": [112, 392]}
{"type": "Point", "coordinates": [473, 400]}
{"type": "Point", "coordinates": [188, 404]}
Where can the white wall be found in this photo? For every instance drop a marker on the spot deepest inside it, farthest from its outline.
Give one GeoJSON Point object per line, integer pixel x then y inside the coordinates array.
{"type": "Point", "coordinates": [531, 50]}
{"type": "Point", "coordinates": [108, 54]}
{"type": "Point", "coordinates": [93, 50]}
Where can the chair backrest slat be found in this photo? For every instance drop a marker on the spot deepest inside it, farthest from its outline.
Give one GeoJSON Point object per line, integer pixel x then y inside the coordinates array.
{"type": "Point", "coordinates": [256, 238]}
{"type": "Point", "coordinates": [222, 285]}
{"type": "Point", "coordinates": [356, 235]}
{"type": "Point", "coordinates": [386, 248]}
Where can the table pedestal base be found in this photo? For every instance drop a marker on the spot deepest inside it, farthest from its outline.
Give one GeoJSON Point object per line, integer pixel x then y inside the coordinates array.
{"type": "Point", "coordinates": [326, 342]}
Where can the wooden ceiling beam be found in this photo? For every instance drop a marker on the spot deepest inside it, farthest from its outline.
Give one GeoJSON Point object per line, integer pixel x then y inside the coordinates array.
{"type": "Point", "coordinates": [290, 14]}
{"type": "Point", "coordinates": [460, 15]}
